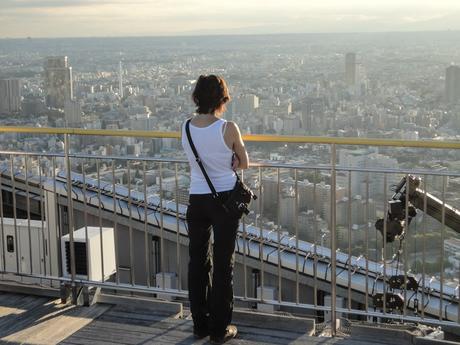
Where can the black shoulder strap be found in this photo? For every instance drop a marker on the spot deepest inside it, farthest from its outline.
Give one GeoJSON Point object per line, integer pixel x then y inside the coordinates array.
{"type": "Point", "coordinates": [198, 160]}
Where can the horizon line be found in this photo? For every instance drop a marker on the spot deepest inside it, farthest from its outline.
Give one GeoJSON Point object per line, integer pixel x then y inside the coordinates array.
{"type": "Point", "coordinates": [187, 35]}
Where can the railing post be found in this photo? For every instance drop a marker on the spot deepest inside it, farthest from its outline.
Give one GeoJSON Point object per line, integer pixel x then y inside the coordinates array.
{"type": "Point", "coordinates": [333, 239]}
{"type": "Point", "coordinates": [70, 217]}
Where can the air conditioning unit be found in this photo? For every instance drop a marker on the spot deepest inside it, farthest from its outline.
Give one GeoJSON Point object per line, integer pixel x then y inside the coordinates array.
{"type": "Point", "coordinates": [340, 303]}
{"type": "Point", "coordinates": [267, 293]}
{"type": "Point", "coordinates": [88, 255]}
{"type": "Point", "coordinates": [169, 282]}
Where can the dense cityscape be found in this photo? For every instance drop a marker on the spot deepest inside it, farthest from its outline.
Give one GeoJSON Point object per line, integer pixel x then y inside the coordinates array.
{"type": "Point", "coordinates": [389, 85]}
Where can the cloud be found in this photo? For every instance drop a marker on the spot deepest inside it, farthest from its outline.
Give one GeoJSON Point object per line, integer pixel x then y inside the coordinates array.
{"type": "Point", "coordinates": [16, 4]}
{"type": "Point", "coordinates": [53, 18]}
{"type": "Point", "coordinates": [44, 4]}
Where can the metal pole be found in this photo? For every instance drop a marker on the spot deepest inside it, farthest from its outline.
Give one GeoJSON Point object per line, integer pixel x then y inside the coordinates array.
{"type": "Point", "coordinates": [58, 224]}
{"type": "Point", "coordinates": [70, 216]}
{"type": "Point", "coordinates": [366, 216]}
{"type": "Point", "coordinates": [443, 230]}
{"type": "Point", "coordinates": [42, 218]}
{"type": "Point", "coordinates": [1, 224]}
{"type": "Point", "coordinates": [406, 238]}
{"type": "Point", "coordinates": [296, 225]}
{"type": "Point", "coordinates": [245, 279]}
{"type": "Point", "coordinates": [424, 246]}
{"type": "Point", "coordinates": [315, 262]}
{"type": "Point", "coordinates": [385, 218]}
{"type": "Point", "coordinates": [333, 239]}
{"type": "Point", "coordinates": [100, 218]}
{"type": "Point", "coordinates": [349, 241]}
{"type": "Point", "coordinates": [26, 172]}
{"type": "Point", "coordinates": [146, 222]}
{"type": "Point", "coordinates": [261, 243]}
{"type": "Point", "coordinates": [115, 227]}
{"type": "Point", "coordinates": [13, 192]}
{"type": "Point", "coordinates": [130, 228]}
{"type": "Point", "coordinates": [279, 235]}
{"type": "Point", "coordinates": [85, 215]}
{"type": "Point", "coordinates": [162, 247]}
{"type": "Point", "coordinates": [178, 256]}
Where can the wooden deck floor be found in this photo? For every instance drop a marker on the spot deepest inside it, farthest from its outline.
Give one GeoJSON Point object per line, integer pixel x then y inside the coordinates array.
{"type": "Point", "coordinates": [38, 320]}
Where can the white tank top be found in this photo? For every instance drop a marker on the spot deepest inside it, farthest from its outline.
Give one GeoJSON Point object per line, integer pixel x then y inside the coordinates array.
{"type": "Point", "coordinates": [215, 155]}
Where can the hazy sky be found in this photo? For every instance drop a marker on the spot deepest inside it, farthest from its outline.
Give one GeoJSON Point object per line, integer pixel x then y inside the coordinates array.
{"type": "Point", "coordinates": [77, 18]}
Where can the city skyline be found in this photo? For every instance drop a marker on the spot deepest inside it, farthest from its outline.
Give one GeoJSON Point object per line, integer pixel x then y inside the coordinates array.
{"type": "Point", "coordinates": [115, 18]}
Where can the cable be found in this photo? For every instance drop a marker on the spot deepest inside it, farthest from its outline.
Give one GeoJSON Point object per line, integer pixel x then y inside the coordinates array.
{"type": "Point", "coordinates": [398, 256]}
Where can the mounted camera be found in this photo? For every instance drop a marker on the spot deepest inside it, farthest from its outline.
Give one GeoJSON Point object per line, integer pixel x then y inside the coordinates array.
{"type": "Point", "coordinates": [396, 216]}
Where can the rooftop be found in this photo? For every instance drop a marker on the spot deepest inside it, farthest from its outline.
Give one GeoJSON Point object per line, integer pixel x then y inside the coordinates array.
{"type": "Point", "coordinates": [287, 272]}
{"type": "Point", "coordinates": [27, 319]}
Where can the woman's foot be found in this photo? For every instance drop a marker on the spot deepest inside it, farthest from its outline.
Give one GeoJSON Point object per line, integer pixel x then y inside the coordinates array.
{"type": "Point", "coordinates": [230, 333]}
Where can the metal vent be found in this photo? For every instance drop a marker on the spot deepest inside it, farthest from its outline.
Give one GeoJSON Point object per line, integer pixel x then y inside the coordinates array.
{"type": "Point", "coordinates": [81, 267]}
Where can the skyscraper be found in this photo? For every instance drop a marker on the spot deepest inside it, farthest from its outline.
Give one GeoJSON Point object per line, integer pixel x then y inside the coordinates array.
{"type": "Point", "coordinates": [58, 81]}
{"type": "Point", "coordinates": [72, 113]}
{"type": "Point", "coordinates": [453, 84]}
{"type": "Point", "coordinates": [350, 68]}
{"type": "Point", "coordinates": [245, 104]}
{"type": "Point", "coordinates": [10, 96]}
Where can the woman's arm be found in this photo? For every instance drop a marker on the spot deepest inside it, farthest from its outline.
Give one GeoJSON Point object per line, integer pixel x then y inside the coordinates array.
{"type": "Point", "coordinates": [238, 145]}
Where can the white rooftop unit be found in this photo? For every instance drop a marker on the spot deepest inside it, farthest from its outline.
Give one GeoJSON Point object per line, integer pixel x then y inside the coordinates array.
{"type": "Point", "coordinates": [24, 243]}
{"type": "Point", "coordinates": [89, 256]}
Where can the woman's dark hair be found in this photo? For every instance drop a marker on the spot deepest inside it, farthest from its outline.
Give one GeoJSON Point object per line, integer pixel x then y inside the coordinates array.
{"type": "Point", "coordinates": [210, 94]}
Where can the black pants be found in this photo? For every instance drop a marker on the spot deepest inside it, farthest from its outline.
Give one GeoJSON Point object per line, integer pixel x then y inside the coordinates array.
{"type": "Point", "coordinates": [210, 279]}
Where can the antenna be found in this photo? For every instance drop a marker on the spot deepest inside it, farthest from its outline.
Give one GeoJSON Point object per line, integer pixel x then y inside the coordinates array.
{"type": "Point", "coordinates": [120, 78]}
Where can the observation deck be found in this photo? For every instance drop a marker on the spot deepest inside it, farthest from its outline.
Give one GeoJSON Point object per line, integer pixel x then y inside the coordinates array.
{"type": "Point", "coordinates": [308, 251]}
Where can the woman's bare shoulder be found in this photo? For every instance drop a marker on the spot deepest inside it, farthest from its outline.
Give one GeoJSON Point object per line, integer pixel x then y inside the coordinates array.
{"type": "Point", "coordinates": [233, 127]}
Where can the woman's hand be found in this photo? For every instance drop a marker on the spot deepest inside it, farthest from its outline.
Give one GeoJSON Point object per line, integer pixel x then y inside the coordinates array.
{"type": "Point", "coordinates": [235, 162]}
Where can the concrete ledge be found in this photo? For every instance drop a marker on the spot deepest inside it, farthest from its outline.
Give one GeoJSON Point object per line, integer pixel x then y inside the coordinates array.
{"type": "Point", "coordinates": [394, 334]}
{"type": "Point", "coordinates": [428, 341]}
{"type": "Point", "coordinates": [383, 334]}
{"type": "Point", "coordinates": [29, 289]}
{"type": "Point", "coordinates": [172, 309]}
{"type": "Point", "coordinates": [274, 321]}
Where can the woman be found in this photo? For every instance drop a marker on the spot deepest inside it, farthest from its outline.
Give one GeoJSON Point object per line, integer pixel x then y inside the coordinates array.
{"type": "Point", "coordinates": [221, 150]}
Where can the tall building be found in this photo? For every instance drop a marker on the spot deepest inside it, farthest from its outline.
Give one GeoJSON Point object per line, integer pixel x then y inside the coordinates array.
{"type": "Point", "coordinates": [313, 109]}
{"type": "Point", "coordinates": [350, 68]}
{"type": "Point", "coordinates": [10, 96]}
{"type": "Point", "coordinates": [291, 123]}
{"type": "Point", "coordinates": [360, 181]}
{"type": "Point", "coordinates": [245, 104]}
{"type": "Point", "coordinates": [453, 84]}
{"type": "Point", "coordinates": [58, 81]}
{"type": "Point", "coordinates": [72, 113]}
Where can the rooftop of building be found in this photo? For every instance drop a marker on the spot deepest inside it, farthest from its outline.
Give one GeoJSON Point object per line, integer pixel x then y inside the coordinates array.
{"type": "Point", "coordinates": [28, 319]}
{"type": "Point", "coordinates": [32, 320]}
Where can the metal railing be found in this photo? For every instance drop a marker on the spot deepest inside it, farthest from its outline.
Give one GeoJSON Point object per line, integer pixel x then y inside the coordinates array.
{"type": "Point", "coordinates": [296, 244]}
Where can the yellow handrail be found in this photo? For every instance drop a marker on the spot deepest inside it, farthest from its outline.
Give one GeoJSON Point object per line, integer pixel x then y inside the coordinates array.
{"type": "Point", "coordinates": [430, 144]}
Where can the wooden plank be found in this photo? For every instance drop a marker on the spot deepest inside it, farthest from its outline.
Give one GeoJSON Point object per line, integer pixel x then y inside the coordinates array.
{"type": "Point", "coordinates": [133, 316]}
{"type": "Point", "coordinates": [28, 289]}
{"type": "Point", "coordinates": [269, 332]}
{"type": "Point", "coordinates": [56, 327]}
{"type": "Point", "coordinates": [31, 311]}
{"type": "Point", "coordinates": [147, 304]}
{"type": "Point", "coordinates": [74, 340]}
{"type": "Point", "coordinates": [157, 327]}
{"type": "Point", "coordinates": [130, 334]}
{"type": "Point", "coordinates": [124, 317]}
{"type": "Point", "coordinates": [112, 337]}
{"type": "Point", "coordinates": [134, 333]}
